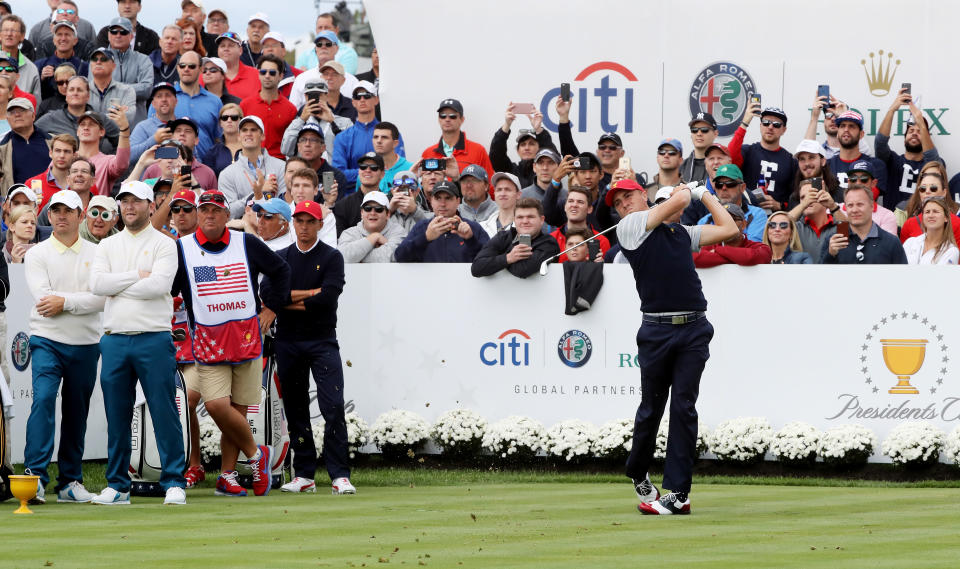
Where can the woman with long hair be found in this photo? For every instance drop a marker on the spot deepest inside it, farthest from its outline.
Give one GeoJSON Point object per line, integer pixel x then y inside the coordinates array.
{"type": "Point", "coordinates": [936, 245]}
{"type": "Point", "coordinates": [932, 182]}
{"type": "Point", "coordinates": [780, 235]}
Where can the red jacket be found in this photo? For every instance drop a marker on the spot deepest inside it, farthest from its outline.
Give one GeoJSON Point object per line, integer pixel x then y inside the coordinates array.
{"type": "Point", "coordinates": [276, 117]}
{"type": "Point", "coordinates": [747, 254]}
{"type": "Point", "coordinates": [465, 152]}
{"type": "Point", "coordinates": [560, 234]}
{"type": "Point", "coordinates": [911, 228]}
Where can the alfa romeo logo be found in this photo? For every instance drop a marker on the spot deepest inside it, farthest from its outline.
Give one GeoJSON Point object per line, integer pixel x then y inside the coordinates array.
{"type": "Point", "coordinates": [574, 348]}
{"type": "Point", "coordinates": [20, 351]}
{"type": "Point", "coordinates": [723, 90]}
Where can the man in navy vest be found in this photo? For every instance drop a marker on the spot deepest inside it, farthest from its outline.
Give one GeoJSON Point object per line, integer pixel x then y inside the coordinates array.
{"type": "Point", "coordinates": [673, 341]}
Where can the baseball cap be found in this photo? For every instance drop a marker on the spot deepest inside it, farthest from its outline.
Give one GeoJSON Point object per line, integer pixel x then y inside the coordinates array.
{"type": "Point", "coordinates": [95, 116]}
{"type": "Point", "coordinates": [862, 166]}
{"type": "Point", "coordinates": [138, 189]}
{"type": "Point", "coordinates": [4, 56]}
{"type": "Point", "coordinates": [703, 117]}
{"type": "Point", "coordinates": [197, 3]}
{"type": "Point", "coordinates": [163, 85]}
{"type": "Point", "coordinates": [718, 146]}
{"type": "Point", "coordinates": [275, 205]}
{"type": "Point", "coordinates": [327, 35]}
{"type": "Point", "coordinates": [405, 178]}
{"type": "Point", "coordinates": [232, 36]}
{"type": "Point", "coordinates": [450, 104]}
{"type": "Point", "coordinates": [734, 211]}
{"type": "Point", "coordinates": [810, 147]}
{"type": "Point", "coordinates": [160, 184]}
{"type": "Point", "coordinates": [627, 184]}
{"type": "Point", "coordinates": [612, 137]}
{"type": "Point", "coordinates": [335, 65]}
{"type": "Point", "coordinates": [663, 194]}
{"type": "Point", "coordinates": [372, 156]}
{"type": "Point", "coordinates": [172, 125]}
{"type": "Point", "coordinates": [775, 111]}
{"type": "Point", "coordinates": [730, 171]}
{"type": "Point", "coordinates": [316, 86]}
{"type": "Point", "coordinates": [851, 116]}
{"type": "Point", "coordinates": [213, 197]}
{"type": "Point", "coordinates": [20, 103]}
{"type": "Point", "coordinates": [505, 176]}
{"type": "Point", "coordinates": [273, 36]}
{"type": "Point", "coordinates": [215, 11]}
{"type": "Point", "coordinates": [378, 197]}
{"type": "Point", "coordinates": [120, 22]}
{"type": "Point", "coordinates": [259, 16]}
{"type": "Point", "coordinates": [526, 133]}
{"type": "Point", "coordinates": [104, 51]}
{"type": "Point", "coordinates": [312, 208]}
{"type": "Point", "coordinates": [310, 127]}
{"type": "Point", "coordinates": [216, 61]}
{"type": "Point", "coordinates": [105, 202]}
{"type": "Point", "coordinates": [448, 187]}
{"type": "Point", "coordinates": [64, 24]}
{"type": "Point", "coordinates": [21, 189]}
{"type": "Point", "coordinates": [549, 153]}
{"type": "Point", "coordinates": [475, 171]}
{"type": "Point", "coordinates": [188, 196]}
{"type": "Point", "coordinates": [251, 118]}
{"type": "Point", "coordinates": [366, 86]}
{"type": "Point", "coordinates": [671, 142]}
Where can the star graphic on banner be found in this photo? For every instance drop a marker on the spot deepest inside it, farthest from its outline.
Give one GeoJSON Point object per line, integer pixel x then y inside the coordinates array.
{"type": "Point", "coordinates": [883, 320]}
{"type": "Point", "coordinates": [865, 347]}
{"type": "Point", "coordinates": [467, 394]}
{"type": "Point", "coordinates": [945, 359]}
{"type": "Point", "coordinates": [863, 358]}
{"type": "Point", "coordinates": [864, 370]}
{"type": "Point", "coordinates": [903, 315]}
{"type": "Point", "coordinates": [868, 380]}
{"type": "Point", "coordinates": [940, 381]}
{"type": "Point", "coordinates": [943, 371]}
{"type": "Point", "coordinates": [893, 316]}
{"type": "Point", "coordinates": [933, 328]}
{"type": "Point", "coordinates": [390, 340]}
{"type": "Point", "coordinates": [939, 337]}
{"type": "Point", "coordinates": [924, 321]}
{"type": "Point", "coordinates": [943, 347]}
{"type": "Point", "coordinates": [869, 336]}
{"type": "Point", "coordinates": [431, 362]}
{"type": "Point", "coordinates": [915, 316]}
{"type": "Point", "coordinates": [933, 390]}
{"type": "Point", "coordinates": [875, 390]}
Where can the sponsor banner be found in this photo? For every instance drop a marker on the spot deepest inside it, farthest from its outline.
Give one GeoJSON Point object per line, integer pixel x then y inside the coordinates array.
{"type": "Point", "coordinates": [633, 75]}
{"type": "Point", "coordinates": [786, 347]}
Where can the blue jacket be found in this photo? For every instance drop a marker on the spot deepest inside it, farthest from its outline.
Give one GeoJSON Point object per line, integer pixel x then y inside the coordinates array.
{"type": "Point", "coordinates": [141, 138]}
{"type": "Point", "coordinates": [350, 145]}
{"type": "Point", "coordinates": [203, 109]}
{"type": "Point", "coordinates": [756, 221]}
{"type": "Point", "coordinates": [448, 248]}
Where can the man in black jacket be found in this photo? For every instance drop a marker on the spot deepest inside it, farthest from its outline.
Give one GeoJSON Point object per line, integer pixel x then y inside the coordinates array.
{"type": "Point", "coordinates": [529, 142]}
{"type": "Point", "coordinates": [509, 250]}
{"type": "Point", "coordinates": [145, 39]}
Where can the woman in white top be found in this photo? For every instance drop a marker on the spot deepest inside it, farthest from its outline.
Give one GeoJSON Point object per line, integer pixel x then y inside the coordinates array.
{"type": "Point", "coordinates": [937, 245]}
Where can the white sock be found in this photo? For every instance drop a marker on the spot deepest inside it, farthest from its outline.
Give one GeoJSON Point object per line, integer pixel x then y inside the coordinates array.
{"type": "Point", "coordinates": [254, 458]}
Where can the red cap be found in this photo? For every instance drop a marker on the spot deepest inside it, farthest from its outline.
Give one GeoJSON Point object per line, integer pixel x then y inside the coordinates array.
{"type": "Point", "coordinates": [313, 208]}
{"type": "Point", "coordinates": [719, 146]}
{"type": "Point", "coordinates": [214, 197]}
{"type": "Point", "coordinates": [188, 196]}
{"type": "Point", "coordinates": [621, 185]}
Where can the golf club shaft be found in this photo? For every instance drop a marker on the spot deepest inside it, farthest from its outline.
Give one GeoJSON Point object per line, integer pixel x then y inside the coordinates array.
{"type": "Point", "coordinates": [584, 242]}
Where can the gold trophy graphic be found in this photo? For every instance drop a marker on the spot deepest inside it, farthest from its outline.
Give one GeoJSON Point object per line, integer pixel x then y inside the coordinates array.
{"type": "Point", "coordinates": [904, 358]}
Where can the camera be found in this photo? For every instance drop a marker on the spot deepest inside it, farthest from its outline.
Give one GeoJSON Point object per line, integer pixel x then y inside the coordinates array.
{"type": "Point", "coordinates": [582, 163]}
{"type": "Point", "coordinates": [435, 164]}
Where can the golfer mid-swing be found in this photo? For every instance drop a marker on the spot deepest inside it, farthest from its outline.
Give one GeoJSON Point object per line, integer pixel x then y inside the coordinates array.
{"type": "Point", "coordinates": [673, 341]}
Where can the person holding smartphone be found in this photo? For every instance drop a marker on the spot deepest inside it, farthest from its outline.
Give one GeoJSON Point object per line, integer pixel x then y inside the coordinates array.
{"type": "Point", "coordinates": [529, 142]}
{"type": "Point", "coordinates": [861, 241]}
{"type": "Point", "coordinates": [519, 249]}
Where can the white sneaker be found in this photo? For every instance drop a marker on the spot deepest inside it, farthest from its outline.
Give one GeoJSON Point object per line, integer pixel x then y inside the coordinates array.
{"type": "Point", "coordinates": [41, 497]}
{"type": "Point", "coordinates": [175, 496]}
{"type": "Point", "coordinates": [343, 486]}
{"type": "Point", "coordinates": [299, 485]}
{"type": "Point", "coordinates": [74, 493]}
{"type": "Point", "coordinates": [111, 497]}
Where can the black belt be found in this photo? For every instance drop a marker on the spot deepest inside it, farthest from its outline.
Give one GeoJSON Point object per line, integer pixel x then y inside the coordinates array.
{"type": "Point", "coordinates": [684, 318]}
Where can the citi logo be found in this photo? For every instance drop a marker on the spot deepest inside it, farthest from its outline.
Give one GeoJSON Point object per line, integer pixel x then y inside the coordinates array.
{"type": "Point", "coordinates": [512, 348]}
{"type": "Point", "coordinates": [609, 100]}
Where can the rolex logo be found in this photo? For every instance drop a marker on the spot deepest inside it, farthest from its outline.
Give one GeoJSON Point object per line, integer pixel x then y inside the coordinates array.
{"type": "Point", "coordinates": [879, 72]}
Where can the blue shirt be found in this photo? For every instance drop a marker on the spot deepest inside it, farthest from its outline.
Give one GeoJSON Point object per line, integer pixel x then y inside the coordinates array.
{"type": "Point", "coordinates": [30, 156]}
{"type": "Point", "coordinates": [142, 136]}
{"type": "Point", "coordinates": [203, 109]}
{"type": "Point", "coordinates": [352, 144]}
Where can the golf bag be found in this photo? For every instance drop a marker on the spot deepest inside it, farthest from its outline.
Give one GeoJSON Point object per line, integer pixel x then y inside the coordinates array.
{"type": "Point", "coordinates": [268, 423]}
{"type": "Point", "coordinates": [145, 457]}
{"type": "Point", "coordinates": [5, 470]}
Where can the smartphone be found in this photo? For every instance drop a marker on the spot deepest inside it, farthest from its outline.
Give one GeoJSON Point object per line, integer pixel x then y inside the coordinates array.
{"type": "Point", "coordinates": [313, 96]}
{"type": "Point", "coordinates": [908, 87]}
{"type": "Point", "coordinates": [167, 153]}
{"type": "Point", "coordinates": [524, 109]}
{"type": "Point", "coordinates": [524, 239]}
{"type": "Point", "coordinates": [823, 92]}
{"type": "Point", "coordinates": [328, 182]}
{"type": "Point", "coordinates": [843, 228]}
{"type": "Point", "coordinates": [434, 164]}
{"type": "Point", "coordinates": [816, 183]}
{"type": "Point", "coordinates": [565, 92]}
{"type": "Point", "coordinates": [186, 170]}
{"type": "Point", "coordinates": [755, 99]}
{"type": "Point", "coordinates": [582, 163]}
{"type": "Point", "coordinates": [114, 103]}
{"type": "Point", "coordinates": [593, 249]}
{"type": "Point", "coordinates": [625, 163]}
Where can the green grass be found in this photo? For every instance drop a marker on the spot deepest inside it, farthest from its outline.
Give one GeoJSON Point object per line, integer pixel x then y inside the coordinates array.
{"type": "Point", "coordinates": [464, 518]}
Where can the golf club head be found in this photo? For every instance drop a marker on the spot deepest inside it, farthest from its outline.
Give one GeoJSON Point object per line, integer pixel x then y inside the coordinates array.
{"type": "Point", "coordinates": [543, 269]}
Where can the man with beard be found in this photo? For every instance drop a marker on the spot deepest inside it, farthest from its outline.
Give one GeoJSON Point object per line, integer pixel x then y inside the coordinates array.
{"type": "Point", "coordinates": [849, 133]}
{"type": "Point", "coordinates": [831, 109]}
{"type": "Point", "coordinates": [766, 159]}
{"type": "Point", "coordinates": [903, 169]}
{"type": "Point", "coordinates": [812, 163]}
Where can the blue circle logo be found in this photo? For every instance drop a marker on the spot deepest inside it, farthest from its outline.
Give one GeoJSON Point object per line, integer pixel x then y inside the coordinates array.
{"type": "Point", "coordinates": [574, 348]}
{"type": "Point", "coordinates": [20, 351]}
{"type": "Point", "coordinates": [723, 90]}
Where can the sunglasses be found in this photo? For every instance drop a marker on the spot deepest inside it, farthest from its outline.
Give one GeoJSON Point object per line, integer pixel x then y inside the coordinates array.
{"type": "Point", "coordinates": [270, 72]}
{"type": "Point", "coordinates": [324, 44]}
{"type": "Point", "coordinates": [211, 69]}
{"type": "Point", "coordinates": [667, 152]}
{"type": "Point", "coordinates": [700, 129]}
{"type": "Point", "coordinates": [265, 215]}
{"type": "Point", "coordinates": [727, 185]}
{"type": "Point", "coordinates": [927, 189]}
{"type": "Point", "coordinates": [183, 208]}
{"type": "Point", "coordinates": [829, 115]}
{"type": "Point", "coordinates": [100, 59]}
{"type": "Point", "coordinates": [373, 167]}
{"type": "Point", "coordinates": [67, 11]}
{"type": "Point", "coordinates": [607, 147]}
{"type": "Point", "coordinates": [778, 224]}
{"type": "Point", "coordinates": [363, 96]}
{"type": "Point", "coordinates": [316, 87]}
{"type": "Point", "coordinates": [860, 253]}
{"type": "Point", "coordinates": [408, 182]}
{"type": "Point", "coordinates": [212, 198]}
{"type": "Point", "coordinates": [449, 115]}
{"type": "Point", "coordinates": [119, 32]}
{"type": "Point", "coordinates": [774, 124]}
{"type": "Point", "coordinates": [230, 117]}
{"type": "Point", "coordinates": [862, 179]}
{"type": "Point", "coordinates": [187, 65]}
{"type": "Point", "coordinates": [8, 69]}
{"type": "Point", "coordinates": [376, 208]}
{"type": "Point", "coordinates": [62, 82]}
{"type": "Point", "coordinates": [103, 214]}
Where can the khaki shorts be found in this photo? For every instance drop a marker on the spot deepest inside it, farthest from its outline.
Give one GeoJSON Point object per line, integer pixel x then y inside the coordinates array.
{"type": "Point", "coordinates": [240, 382]}
{"type": "Point", "coordinates": [191, 377]}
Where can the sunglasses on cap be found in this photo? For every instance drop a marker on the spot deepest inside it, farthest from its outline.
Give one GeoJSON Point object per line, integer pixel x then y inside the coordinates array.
{"type": "Point", "coordinates": [778, 224]}
{"type": "Point", "coordinates": [365, 96]}
{"type": "Point", "coordinates": [102, 214]}
{"type": "Point", "coordinates": [863, 179]}
{"type": "Point", "coordinates": [119, 32]}
{"type": "Point", "coordinates": [212, 198]}
{"type": "Point", "coordinates": [187, 65]}
{"type": "Point", "coordinates": [373, 167]}
{"type": "Point", "coordinates": [727, 185]}
{"type": "Point", "coordinates": [376, 208]}
{"type": "Point", "coordinates": [230, 35]}
{"type": "Point", "coordinates": [182, 208]}
{"type": "Point", "coordinates": [774, 124]}
{"type": "Point", "coordinates": [316, 87]}
{"type": "Point", "coordinates": [270, 72]}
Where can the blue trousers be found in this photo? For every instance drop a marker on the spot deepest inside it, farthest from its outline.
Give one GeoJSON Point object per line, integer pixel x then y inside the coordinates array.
{"type": "Point", "coordinates": [295, 361]}
{"type": "Point", "coordinates": [77, 367]}
{"type": "Point", "coordinates": [148, 357]}
{"type": "Point", "coordinates": [672, 358]}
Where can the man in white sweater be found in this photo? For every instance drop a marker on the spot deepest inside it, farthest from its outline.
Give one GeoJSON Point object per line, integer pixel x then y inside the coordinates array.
{"type": "Point", "coordinates": [134, 269]}
{"type": "Point", "coordinates": [64, 331]}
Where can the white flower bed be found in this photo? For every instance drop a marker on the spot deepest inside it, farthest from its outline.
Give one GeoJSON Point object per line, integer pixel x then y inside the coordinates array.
{"type": "Point", "coordinates": [614, 439]}
{"type": "Point", "coordinates": [951, 446]}
{"type": "Point", "coordinates": [209, 441]}
{"type": "Point", "coordinates": [744, 439]}
{"type": "Point", "coordinates": [570, 439]}
{"type": "Point", "coordinates": [913, 443]}
{"type": "Point", "coordinates": [796, 442]}
{"type": "Point", "coordinates": [514, 437]}
{"type": "Point", "coordinates": [459, 431]}
{"type": "Point", "coordinates": [663, 432]}
{"type": "Point", "coordinates": [397, 428]}
{"type": "Point", "coordinates": [358, 432]}
{"type": "Point", "coordinates": [847, 444]}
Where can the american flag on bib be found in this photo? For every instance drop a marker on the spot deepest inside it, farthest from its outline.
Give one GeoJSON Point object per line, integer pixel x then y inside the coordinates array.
{"type": "Point", "coordinates": [224, 279]}
{"type": "Point", "coordinates": [252, 410]}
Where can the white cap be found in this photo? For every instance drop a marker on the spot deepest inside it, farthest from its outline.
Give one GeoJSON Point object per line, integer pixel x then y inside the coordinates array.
{"type": "Point", "coordinates": [274, 36]}
{"type": "Point", "coordinates": [505, 175]}
{"type": "Point", "coordinates": [105, 202]}
{"type": "Point", "coordinates": [259, 16]}
{"type": "Point", "coordinates": [254, 119]}
{"type": "Point", "coordinates": [197, 3]}
{"type": "Point", "coordinates": [663, 193]}
{"type": "Point", "coordinates": [366, 86]}
{"type": "Point", "coordinates": [21, 189]}
{"type": "Point", "coordinates": [218, 62]}
{"type": "Point", "coordinates": [137, 188]}
{"type": "Point", "coordinates": [69, 198]}
{"type": "Point", "coordinates": [811, 147]}
{"type": "Point", "coordinates": [376, 196]}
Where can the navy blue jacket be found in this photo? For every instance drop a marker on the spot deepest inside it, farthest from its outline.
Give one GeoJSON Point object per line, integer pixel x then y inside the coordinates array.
{"type": "Point", "coordinates": [448, 248]}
